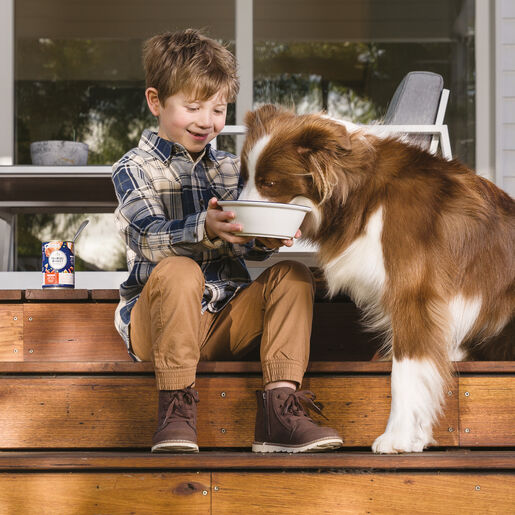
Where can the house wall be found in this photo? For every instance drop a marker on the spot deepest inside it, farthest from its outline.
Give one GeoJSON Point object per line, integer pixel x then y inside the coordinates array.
{"type": "Point", "coordinates": [505, 126]}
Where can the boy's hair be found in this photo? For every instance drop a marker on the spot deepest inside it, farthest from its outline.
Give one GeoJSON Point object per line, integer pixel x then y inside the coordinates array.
{"type": "Point", "coordinates": [191, 63]}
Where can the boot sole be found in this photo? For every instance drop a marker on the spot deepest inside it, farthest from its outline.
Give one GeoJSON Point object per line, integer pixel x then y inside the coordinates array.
{"type": "Point", "coordinates": [325, 444]}
{"type": "Point", "coordinates": [175, 446]}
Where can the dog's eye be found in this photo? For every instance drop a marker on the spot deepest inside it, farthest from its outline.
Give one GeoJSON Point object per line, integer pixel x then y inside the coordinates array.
{"type": "Point", "coordinates": [268, 184]}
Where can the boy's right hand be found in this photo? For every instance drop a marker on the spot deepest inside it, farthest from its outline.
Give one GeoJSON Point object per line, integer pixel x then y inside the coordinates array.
{"type": "Point", "coordinates": [219, 224]}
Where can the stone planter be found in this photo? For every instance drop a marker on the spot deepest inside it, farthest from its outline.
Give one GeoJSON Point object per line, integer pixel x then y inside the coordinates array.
{"type": "Point", "coordinates": [59, 153]}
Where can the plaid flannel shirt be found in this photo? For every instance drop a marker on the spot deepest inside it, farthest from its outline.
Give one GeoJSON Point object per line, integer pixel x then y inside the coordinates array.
{"type": "Point", "coordinates": [163, 196]}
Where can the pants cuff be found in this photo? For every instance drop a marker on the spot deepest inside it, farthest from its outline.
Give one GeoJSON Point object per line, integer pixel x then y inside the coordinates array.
{"type": "Point", "coordinates": [175, 379]}
{"type": "Point", "coordinates": [283, 370]}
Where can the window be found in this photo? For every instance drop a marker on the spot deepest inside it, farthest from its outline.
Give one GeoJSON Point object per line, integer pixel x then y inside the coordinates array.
{"type": "Point", "coordinates": [78, 76]}
{"type": "Point", "coordinates": [78, 71]}
{"type": "Point", "coordinates": [347, 57]}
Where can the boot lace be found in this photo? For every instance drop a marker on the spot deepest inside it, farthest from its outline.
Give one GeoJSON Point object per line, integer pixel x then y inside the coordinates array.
{"type": "Point", "coordinates": [181, 405]}
{"type": "Point", "coordinates": [297, 402]}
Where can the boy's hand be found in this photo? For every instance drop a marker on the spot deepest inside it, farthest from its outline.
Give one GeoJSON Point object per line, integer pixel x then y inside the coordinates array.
{"type": "Point", "coordinates": [274, 243]}
{"type": "Point", "coordinates": [219, 224]}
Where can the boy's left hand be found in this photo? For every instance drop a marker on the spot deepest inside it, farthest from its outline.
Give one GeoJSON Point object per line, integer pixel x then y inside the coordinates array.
{"type": "Point", "coordinates": [274, 243]}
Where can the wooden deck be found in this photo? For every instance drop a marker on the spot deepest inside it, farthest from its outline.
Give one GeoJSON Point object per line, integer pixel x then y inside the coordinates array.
{"type": "Point", "coordinates": [77, 418]}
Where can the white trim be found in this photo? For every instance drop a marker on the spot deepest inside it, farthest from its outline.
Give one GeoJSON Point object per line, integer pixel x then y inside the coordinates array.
{"type": "Point", "coordinates": [245, 56]}
{"type": "Point", "coordinates": [485, 89]}
{"type": "Point", "coordinates": [7, 46]}
{"type": "Point", "coordinates": [244, 16]}
{"type": "Point", "coordinates": [498, 94]}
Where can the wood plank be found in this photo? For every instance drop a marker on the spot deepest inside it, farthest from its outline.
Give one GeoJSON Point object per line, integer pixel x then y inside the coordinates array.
{"type": "Point", "coordinates": [486, 367]}
{"type": "Point", "coordinates": [9, 295]}
{"type": "Point", "coordinates": [56, 294]}
{"type": "Point", "coordinates": [11, 332]}
{"type": "Point", "coordinates": [113, 295]}
{"type": "Point", "coordinates": [76, 412]}
{"type": "Point", "coordinates": [235, 367]}
{"type": "Point", "coordinates": [85, 332]}
{"type": "Point", "coordinates": [357, 407]}
{"type": "Point", "coordinates": [460, 459]}
{"type": "Point", "coordinates": [444, 493]}
{"type": "Point", "coordinates": [72, 332]}
{"type": "Point", "coordinates": [119, 412]}
{"type": "Point", "coordinates": [101, 492]}
{"type": "Point", "coordinates": [487, 411]}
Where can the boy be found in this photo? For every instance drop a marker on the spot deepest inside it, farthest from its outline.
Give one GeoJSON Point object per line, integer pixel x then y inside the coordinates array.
{"type": "Point", "coordinates": [189, 295]}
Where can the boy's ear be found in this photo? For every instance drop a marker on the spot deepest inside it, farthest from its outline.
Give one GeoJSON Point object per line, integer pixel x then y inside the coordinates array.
{"type": "Point", "coordinates": [153, 101]}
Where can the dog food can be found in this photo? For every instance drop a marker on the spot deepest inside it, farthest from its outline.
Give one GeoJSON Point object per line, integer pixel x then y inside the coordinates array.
{"type": "Point", "coordinates": [58, 264]}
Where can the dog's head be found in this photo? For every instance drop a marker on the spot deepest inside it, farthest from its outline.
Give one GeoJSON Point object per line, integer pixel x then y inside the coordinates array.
{"type": "Point", "coordinates": [294, 158]}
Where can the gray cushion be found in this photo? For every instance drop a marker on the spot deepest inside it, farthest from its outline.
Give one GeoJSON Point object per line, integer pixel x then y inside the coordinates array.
{"type": "Point", "coordinates": [415, 102]}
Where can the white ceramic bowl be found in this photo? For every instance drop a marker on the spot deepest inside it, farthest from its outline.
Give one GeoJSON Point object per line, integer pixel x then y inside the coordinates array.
{"type": "Point", "coordinates": [266, 219]}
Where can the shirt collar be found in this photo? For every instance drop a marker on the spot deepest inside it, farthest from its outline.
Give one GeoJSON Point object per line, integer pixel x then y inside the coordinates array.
{"type": "Point", "coordinates": [163, 149]}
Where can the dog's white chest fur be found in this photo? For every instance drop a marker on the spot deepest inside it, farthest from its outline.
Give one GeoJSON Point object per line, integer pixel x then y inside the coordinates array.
{"type": "Point", "coordinates": [359, 270]}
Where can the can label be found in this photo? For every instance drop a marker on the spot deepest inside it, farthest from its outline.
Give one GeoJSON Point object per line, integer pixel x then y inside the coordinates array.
{"type": "Point", "coordinates": [58, 265]}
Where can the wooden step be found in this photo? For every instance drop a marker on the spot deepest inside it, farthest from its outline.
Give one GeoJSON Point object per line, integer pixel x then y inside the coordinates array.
{"type": "Point", "coordinates": [461, 459]}
{"type": "Point", "coordinates": [217, 482]}
{"type": "Point", "coordinates": [96, 409]}
{"type": "Point", "coordinates": [257, 492]}
{"type": "Point", "coordinates": [77, 325]}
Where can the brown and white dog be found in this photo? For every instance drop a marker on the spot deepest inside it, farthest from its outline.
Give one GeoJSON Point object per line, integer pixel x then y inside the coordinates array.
{"type": "Point", "coordinates": [424, 246]}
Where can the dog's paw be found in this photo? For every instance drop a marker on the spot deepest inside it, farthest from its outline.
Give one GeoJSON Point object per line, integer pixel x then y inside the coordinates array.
{"type": "Point", "coordinates": [390, 443]}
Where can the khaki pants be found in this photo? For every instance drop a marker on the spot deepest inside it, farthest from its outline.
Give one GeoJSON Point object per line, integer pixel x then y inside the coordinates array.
{"type": "Point", "coordinates": [168, 328]}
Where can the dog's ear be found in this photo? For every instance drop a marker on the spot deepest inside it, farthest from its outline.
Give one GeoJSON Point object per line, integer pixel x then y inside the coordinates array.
{"type": "Point", "coordinates": [261, 115]}
{"type": "Point", "coordinates": [320, 134]}
{"type": "Point", "coordinates": [321, 142]}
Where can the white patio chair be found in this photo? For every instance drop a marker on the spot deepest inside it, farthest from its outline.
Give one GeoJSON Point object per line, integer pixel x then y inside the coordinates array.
{"type": "Point", "coordinates": [418, 109]}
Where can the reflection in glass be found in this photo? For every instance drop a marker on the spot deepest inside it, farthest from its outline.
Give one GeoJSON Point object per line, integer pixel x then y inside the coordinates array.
{"type": "Point", "coordinates": [348, 57]}
{"type": "Point", "coordinates": [99, 246]}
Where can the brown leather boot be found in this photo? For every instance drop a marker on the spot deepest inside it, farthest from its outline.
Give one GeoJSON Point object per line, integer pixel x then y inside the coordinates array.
{"type": "Point", "coordinates": [283, 425]}
{"type": "Point", "coordinates": [177, 421]}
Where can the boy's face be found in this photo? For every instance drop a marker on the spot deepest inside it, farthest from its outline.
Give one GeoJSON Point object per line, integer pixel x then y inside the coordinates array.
{"type": "Point", "coordinates": [192, 123]}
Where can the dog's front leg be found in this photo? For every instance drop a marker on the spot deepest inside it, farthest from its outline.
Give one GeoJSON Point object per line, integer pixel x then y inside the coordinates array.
{"type": "Point", "coordinates": [416, 391]}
